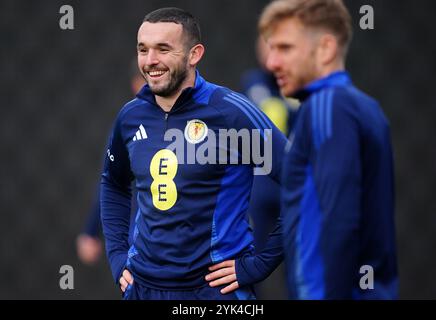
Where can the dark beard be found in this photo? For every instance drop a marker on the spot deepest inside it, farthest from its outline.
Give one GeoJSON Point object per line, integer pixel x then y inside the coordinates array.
{"type": "Point", "coordinates": [176, 79]}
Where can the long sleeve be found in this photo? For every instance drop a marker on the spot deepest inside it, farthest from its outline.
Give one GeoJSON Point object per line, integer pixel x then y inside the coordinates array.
{"type": "Point", "coordinates": [252, 269]}
{"type": "Point", "coordinates": [270, 145]}
{"type": "Point", "coordinates": [321, 200]}
{"type": "Point", "coordinates": [93, 225]}
{"type": "Point", "coordinates": [115, 201]}
{"type": "Point", "coordinates": [337, 174]}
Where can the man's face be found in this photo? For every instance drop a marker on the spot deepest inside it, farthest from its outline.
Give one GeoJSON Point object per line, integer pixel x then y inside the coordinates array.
{"type": "Point", "coordinates": [162, 57]}
{"type": "Point", "coordinates": [292, 55]}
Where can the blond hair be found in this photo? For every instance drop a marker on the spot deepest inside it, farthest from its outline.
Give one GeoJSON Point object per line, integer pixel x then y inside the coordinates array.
{"type": "Point", "coordinates": [330, 15]}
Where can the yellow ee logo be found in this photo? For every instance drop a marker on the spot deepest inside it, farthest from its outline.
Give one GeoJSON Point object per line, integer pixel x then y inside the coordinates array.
{"type": "Point", "coordinates": [163, 169]}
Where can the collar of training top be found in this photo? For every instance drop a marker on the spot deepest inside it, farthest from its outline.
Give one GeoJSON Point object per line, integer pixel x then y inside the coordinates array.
{"type": "Point", "coordinates": [194, 92]}
{"type": "Point", "coordinates": [334, 79]}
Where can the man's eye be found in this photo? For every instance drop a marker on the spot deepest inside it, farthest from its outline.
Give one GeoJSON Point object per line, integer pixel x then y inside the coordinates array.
{"type": "Point", "coordinates": [164, 50]}
{"type": "Point", "coordinates": [285, 48]}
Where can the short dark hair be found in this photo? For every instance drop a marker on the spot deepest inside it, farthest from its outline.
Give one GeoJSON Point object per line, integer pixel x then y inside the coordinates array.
{"type": "Point", "coordinates": [191, 27]}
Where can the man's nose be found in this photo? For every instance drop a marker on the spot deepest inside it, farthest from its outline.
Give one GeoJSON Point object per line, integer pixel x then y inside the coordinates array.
{"type": "Point", "coordinates": [272, 61]}
{"type": "Point", "coordinates": [152, 58]}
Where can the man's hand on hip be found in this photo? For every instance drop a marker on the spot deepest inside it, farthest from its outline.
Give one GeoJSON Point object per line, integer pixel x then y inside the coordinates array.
{"type": "Point", "coordinates": [125, 280]}
{"type": "Point", "coordinates": [223, 273]}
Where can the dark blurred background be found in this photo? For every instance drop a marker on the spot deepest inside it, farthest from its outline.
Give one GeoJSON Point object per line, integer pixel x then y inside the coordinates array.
{"type": "Point", "coordinates": [61, 89]}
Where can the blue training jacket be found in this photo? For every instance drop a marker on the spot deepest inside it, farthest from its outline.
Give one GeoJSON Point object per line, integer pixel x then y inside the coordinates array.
{"type": "Point", "coordinates": [338, 196]}
{"type": "Point", "coordinates": [190, 214]}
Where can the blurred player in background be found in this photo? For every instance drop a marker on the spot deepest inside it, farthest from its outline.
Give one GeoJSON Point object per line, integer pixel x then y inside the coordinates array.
{"type": "Point", "coordinates": [338, 181]}
{"type": "Point", "coordinates": [260, 86]}
{"type": "Point", "coordinates": [89, 244]}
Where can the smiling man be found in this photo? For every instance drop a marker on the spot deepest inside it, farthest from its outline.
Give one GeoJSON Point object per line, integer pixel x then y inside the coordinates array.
{"type": "Point", "coordinates": [191, 218]}
{"type": "Point", "coordinates": [338, 183]}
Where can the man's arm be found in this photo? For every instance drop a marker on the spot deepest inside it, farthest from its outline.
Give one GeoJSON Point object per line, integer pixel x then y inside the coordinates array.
{"type": "Point", "coordinates": [337, 173]}
{"type": "Point", "coordinates": [251, 269]}
{"type": "Point", "coordinates": [93, 223]}
{"type": "Point", "coordinates": [322, 227]}
{"type": "Point", "coordinates": [115, 197]}
{"type": "Point", "coordinates": [88, 243]}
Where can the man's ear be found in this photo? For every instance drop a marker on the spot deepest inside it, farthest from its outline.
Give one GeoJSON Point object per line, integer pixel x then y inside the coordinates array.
{"type": "Point", "coordinates": [328, 49]}
{"type": "Point", "coordinates": [195, 54]}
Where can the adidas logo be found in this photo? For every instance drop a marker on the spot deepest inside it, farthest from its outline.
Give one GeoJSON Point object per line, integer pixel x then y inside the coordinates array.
{"type": "Point", "coordinates": [140, 134]}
